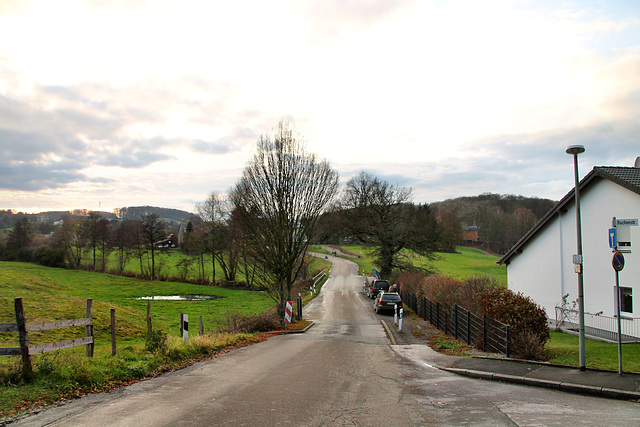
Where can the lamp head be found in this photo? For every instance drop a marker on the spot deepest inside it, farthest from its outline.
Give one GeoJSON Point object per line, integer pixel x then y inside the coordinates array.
{"type": "Point", "coordinates": [575, 149]}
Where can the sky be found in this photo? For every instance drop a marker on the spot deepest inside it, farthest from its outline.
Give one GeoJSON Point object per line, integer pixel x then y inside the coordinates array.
{"type": "Point", "coordinates": [113, 103]}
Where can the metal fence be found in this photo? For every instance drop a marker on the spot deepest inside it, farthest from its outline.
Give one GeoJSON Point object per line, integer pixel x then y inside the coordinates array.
{"type": "Point", "coordinates": [484, 332]}
{"type": "Point", "coordinates": [600, 326]}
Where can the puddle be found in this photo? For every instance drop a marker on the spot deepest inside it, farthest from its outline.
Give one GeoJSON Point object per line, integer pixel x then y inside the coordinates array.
{"type": "Point", "coordinates": [181, 298]}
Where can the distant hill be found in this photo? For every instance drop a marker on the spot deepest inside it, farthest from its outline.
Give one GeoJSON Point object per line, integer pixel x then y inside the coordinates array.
{"type": "Point", "coordinates": [9, 217]}
{"type": "Point", "coordinates": [164, 213]}
{"type": "Point", "coordinates": [502, 219]}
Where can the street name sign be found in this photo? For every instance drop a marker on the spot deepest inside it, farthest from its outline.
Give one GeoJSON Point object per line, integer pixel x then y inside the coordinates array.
{"type": "Point", "coordinates": [627, 222]}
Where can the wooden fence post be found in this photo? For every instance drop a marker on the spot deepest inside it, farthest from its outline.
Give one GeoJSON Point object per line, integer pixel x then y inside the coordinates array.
{"type": "Point", "coordinates": [113, 331]}
{"type": "Point", "coordinates": [200, 326]}
{"type": "Point", "coordinates": [149, 330]}
{"type": "Point", "coordinates": [88, 329]}
{"type": "Point", "coordinates": [27, 369]}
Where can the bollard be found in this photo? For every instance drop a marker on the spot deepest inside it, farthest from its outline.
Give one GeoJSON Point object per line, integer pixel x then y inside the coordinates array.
{"type": "Point", "coordinates": [299, 306]}
{"type": "Point", "coordinates": [185, 328]}
{"type": "Point", "coordinates": [400, 322]}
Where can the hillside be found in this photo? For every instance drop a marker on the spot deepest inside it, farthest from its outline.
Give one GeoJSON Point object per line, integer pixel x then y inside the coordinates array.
{"type": "Point", "coordinates": [501, 219]}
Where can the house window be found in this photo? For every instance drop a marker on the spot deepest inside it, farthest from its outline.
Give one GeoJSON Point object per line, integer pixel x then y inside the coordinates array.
{"type": "Point", "coordinates": [626, 300]}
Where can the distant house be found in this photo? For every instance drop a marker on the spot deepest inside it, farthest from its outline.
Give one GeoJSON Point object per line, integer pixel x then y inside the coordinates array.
{"type": "Point", "coordinates": [540, 265]}
{"type": "Point", "coordinates": [169, 242]}
{"type": "Point", "coordinates": [470, 234]}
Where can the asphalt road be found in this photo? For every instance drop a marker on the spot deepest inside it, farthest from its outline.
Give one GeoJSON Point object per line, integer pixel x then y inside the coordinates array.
{"type": "Point", "coordinates": [341, 372]}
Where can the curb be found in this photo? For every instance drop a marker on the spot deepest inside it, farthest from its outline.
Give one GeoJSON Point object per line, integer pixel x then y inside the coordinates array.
{"type": "Point", "coordinates": [555, 385]}
{"type": "Point", "coordinates": [300, 331]}
{"type": "Point", "coordinates": [388, 332]}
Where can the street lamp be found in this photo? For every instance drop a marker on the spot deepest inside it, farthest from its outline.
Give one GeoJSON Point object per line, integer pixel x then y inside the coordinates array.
{"type": "Point", "coordinates": [574, 150]}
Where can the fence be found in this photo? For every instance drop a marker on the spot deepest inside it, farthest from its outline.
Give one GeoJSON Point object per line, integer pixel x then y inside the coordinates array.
{"type": "Point", "coordinates": [23, 328]}
{"type": "Point", "coordinates": [317, 279]}
{"type": "Point", "coordinates": [600, 326]}
{"type": "Point", "coordinates": [483, 332]}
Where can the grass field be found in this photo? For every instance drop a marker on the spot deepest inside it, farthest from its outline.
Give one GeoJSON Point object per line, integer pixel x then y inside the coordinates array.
{"type": "Point", "coordinates": [51, 294]}
{"type": "Point", "coordinates": [466, 262]}
{"type": "Point", "coordinates": [563, 350]}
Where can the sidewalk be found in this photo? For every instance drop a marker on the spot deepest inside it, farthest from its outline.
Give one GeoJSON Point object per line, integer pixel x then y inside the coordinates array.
{"type": "Point", "coordinates": [569, 379]}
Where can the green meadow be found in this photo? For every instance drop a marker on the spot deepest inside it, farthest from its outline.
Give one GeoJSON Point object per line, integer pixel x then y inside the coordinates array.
{"type": "Point", "coordinates": [465, 263]}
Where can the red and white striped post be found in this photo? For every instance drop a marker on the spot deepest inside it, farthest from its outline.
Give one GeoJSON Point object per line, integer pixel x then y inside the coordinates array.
{"type": "Point", "coordinates": [287, 312]}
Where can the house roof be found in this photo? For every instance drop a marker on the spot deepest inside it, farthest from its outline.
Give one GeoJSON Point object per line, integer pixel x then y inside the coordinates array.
{"type": "Point", "coordinates": [627, 177]}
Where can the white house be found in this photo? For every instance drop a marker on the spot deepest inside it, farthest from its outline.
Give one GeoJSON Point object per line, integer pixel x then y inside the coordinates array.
{"type": "Point", "coordinates": [540, 265]}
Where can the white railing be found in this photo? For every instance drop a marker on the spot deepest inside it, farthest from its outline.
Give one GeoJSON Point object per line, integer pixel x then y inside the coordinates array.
{"type": "Point", "coordinates": [600, 325]}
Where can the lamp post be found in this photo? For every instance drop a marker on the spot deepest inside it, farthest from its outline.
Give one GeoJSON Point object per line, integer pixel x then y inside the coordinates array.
{"type": "Point", "coordinates": [574, 150]}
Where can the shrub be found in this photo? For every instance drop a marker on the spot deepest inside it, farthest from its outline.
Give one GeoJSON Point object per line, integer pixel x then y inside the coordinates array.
{"type": "Point", "coordinates": [49, 257]}
{"type": "Point", "coordinates": [157, 343]}
{"type": "Point", "coordinates": [528, 321]}
{"type": "Point", "coordinates": [472, 288]}
{"type": "Point", "coordinates": [410, 282]}
{"type": "Point", "coordinates": [265, 322]}
{"type": "Point", "coordinates": [442, 289]}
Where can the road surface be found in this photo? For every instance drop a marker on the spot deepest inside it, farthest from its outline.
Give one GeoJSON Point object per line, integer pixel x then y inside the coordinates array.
{"type": "Point", "coordinates": [341, 372]}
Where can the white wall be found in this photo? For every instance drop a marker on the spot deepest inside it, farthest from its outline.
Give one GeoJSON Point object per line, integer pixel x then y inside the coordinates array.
{"type": "Point", "coordinates": [545, 272]}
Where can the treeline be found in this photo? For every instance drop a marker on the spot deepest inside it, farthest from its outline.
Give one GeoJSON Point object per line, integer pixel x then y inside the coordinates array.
{"type": "Point", "coordinates": [100, 244]}
{"type": "Point", "coordinates": [134, 212]}
{"type": "Point", "coordinates": [501, 219]}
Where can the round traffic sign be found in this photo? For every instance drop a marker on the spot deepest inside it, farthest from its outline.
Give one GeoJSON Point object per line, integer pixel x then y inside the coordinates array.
{"type": "Point", "coordinates": [618, 261]}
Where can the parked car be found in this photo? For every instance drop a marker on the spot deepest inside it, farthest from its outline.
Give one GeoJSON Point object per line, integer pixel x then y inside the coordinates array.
{"type": "Point", "coordinates": [375, 286]}
{"type": "Point", "coordinates": [386, 301]}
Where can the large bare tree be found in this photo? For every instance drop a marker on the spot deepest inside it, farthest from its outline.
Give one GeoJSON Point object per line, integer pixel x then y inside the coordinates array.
{"type": "Point", "coordinates": [375, 212]}
{"type": "Point", "coordinates": [281, 195]}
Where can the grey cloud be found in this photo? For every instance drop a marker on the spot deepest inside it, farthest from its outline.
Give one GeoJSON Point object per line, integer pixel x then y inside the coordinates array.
{"type": "Point", "coordinates": [201, 146]}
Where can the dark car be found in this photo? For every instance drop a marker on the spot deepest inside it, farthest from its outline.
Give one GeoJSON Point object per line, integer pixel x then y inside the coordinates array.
{"type": "Point", "coordinates": [378, 286]}
{"type": "Point", "coordinates": [386, 301]}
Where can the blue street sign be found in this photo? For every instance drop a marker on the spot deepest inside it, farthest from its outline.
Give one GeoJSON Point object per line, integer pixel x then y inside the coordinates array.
{"type": "Point", "coordinates": [618, 261]}
{"type": "Point", "coordinates": [612, 238]}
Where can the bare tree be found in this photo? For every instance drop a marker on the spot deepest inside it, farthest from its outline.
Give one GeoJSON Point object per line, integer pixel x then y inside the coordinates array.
{"type": "Point", "coordinates": [209, 213]}
{"type": "Point", "coordinates": [96, 231]}
{"type": "Point", "coordinates": [69, 237]}
{"type": "Point", "coordinates": [282, 192]}
{"type": "Point", "coordinates": [124, 242]}
{"type": "Point", "coordinates": [380, 214]}
{"type": "Point", "coordinates": [153, 230]}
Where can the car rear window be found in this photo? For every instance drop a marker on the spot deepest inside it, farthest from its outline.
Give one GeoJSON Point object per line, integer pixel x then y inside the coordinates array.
{"type": "Point", "coordinates": [391, 297]}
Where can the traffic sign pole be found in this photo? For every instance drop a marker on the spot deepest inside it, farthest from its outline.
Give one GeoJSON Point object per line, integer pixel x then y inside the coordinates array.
{"type": "Point", "coordinates": [619, 322]}
{"type": "Point", "coordinates": [618, 264]}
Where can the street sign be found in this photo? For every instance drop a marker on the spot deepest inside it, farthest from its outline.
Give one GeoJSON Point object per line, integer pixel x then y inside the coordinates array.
{"type": "Point", "coordinates": [577, 259]}
{"type": "Point", "coordinates": [618, 261]}
{"type": "Point", "coordinates": [612, 238]}
{"type": "Point", "coordinates": [627, 222]}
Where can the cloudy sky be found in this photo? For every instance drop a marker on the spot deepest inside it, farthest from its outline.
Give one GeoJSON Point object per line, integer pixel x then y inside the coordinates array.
{"type": "Point", "coordinates": [112, 103]}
